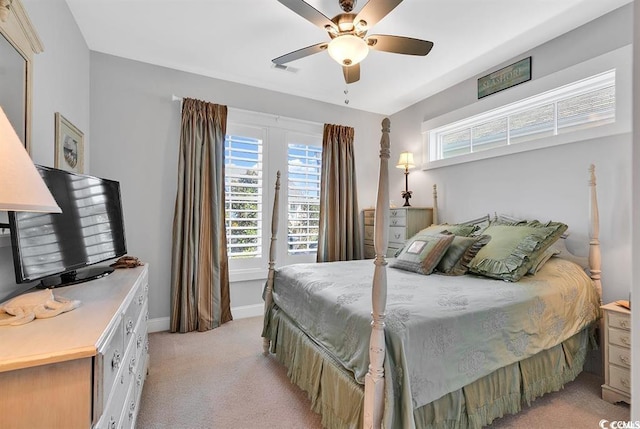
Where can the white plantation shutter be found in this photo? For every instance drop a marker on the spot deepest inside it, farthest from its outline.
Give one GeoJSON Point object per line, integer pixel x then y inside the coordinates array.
{"type": "Point", "coordinates": [243, 196]}
{"type": "Point", "coordinates": [303, 206]}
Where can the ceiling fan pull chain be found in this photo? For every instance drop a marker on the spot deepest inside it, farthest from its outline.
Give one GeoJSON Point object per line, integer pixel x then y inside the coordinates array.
{"type": "Point", "coordinates": [346, 96]}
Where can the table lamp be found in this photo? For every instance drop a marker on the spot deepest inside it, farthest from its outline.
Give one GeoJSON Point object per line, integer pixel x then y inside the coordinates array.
{"type": "Point", "coordinates": [406, 162]}
{"type": "Point", "coordinates": [21, 187]}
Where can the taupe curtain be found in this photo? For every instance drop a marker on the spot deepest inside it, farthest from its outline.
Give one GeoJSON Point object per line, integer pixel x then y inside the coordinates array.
{"type": "Point", "coordinates": [339, 230]}
{"type": "Point", "coordinates": [199, 270]}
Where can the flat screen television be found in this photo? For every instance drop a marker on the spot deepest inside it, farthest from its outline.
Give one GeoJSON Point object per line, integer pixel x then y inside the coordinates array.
{"type": "Point", "coordinates": [57, 248]}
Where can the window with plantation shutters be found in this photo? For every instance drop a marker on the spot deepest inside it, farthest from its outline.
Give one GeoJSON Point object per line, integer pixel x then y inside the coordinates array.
{"type": "Point", "coordinates": [257, 146]}
{"type": "Point", "coordinates": [584, 104]}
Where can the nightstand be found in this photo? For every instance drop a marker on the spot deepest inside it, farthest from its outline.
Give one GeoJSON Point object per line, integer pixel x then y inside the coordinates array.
{"type": "Point", "coordinates": [617, 354]}
{"type": "Point", "coordinates": [404, 223]}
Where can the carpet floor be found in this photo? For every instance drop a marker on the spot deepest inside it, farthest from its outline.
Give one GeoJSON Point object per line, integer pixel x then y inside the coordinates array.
{"type": "Point", "coordinates": [220, 379]}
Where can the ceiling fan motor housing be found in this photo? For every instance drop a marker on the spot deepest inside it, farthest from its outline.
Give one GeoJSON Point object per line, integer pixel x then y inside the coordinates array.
{"type": "Point", "coordinates": [347, 5]}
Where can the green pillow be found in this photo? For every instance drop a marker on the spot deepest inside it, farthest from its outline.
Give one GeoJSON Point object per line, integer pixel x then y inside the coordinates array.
{"type": "Point", "coordinates": [513, 249]}
{"type": "Point", "coordinates": [462, 250]}
{"type": "Point", "coordinates": [542, 259]}
{"type": "Point", "coordinates": [422, 252]}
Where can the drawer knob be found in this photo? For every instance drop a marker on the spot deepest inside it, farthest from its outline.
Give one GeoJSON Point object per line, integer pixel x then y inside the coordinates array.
{"type": "Point", "coordinates": [397, 236]}
{"type": "Point", "coordinates": [625, 382]}
{"type": "Point", "coordinates": [139, 342]}
{"type": "Point", "coordinates": [112, 423]}
{"type": "Point", "coordinates": [394, 212]}
{"type": "Point", "coordinates": [132, 409]}
{"type": "Point", "coordinates": [129, 326]}
{"type": "Point", "coordinates": [625, 340]}
{"type": "Point", "coordinates": [625, 359]}
{"type": "Point", "coordinates": [132, 365]}
{"type": "Point", "coordinates": [394, 222]}
{"type": "Point", "coordinates": [115, 361]}
{"type": "Point", "coordinates": [140, 299]}
{"type": "Point", "coordinates": [624, 324]}
{"type": "Point", "coordinates": [139, 379]}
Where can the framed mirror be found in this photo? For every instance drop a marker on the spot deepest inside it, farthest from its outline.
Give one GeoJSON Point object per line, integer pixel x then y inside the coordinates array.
{"type": "Point", "coordinates": [18, 44]}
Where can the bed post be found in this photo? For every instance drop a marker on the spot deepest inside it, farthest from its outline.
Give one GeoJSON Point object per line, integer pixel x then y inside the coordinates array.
{"type": "Point", "coordinates": [594, 233]}
{"type": "Point", "coordinates": [374, 381]}
{"type": "Point", "coordinates": [268, 296]}
{"type": "Point", "coordinates": [435, 205]}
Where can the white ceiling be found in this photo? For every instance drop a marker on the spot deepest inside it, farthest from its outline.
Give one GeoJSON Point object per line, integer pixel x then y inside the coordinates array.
{"type": "Point", "coordinates": [236, 40]}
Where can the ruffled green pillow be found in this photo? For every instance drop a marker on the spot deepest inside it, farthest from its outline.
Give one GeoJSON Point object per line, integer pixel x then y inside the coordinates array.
{"type": "Point", "coordinates": [422, 252]}
{"type": "Point", "coordinates": [513, 249]}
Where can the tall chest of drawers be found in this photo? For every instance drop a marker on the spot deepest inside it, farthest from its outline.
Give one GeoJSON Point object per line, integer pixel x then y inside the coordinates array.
{"type": "Point", "coordinates": [81, 369]}
{"type": "Point", "coordinates": [617, 354]}
{"type": "Point", "coordinates": [404, 222]}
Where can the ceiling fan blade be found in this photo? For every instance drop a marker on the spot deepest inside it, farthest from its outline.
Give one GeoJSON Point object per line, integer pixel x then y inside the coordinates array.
{"type": "Point", "coordinates": [351, 73]}
{"type": "Point", "coordinates": [375, 10]}
{"type": "Point", "coordinates": [399, 44]}
{"type": "Point", "coordinates": [309, 13]}
{"type": "Point", "coordinates": [300, 53]}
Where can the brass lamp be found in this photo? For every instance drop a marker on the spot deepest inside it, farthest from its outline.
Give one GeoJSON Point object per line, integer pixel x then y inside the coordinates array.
{"type": "Point", "coordinates": [406, 162]}
{"type": "Point", "coordinates": [21, 187]}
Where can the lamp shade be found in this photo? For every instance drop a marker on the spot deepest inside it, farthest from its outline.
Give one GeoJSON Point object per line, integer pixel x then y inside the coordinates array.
{"type": "Point", "coordinates": [21, 187]}
{"type": "Point", "coordinates": [406, 161]}
{"type": "Point", "coordinates": [348, 49]}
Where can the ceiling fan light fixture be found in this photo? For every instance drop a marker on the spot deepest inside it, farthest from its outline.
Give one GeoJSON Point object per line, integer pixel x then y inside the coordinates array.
{"type": "Point", "coordinates": [348, 49]}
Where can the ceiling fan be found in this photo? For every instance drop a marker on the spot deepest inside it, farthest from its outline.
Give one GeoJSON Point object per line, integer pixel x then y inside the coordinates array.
{"type": "Point", "coordinates": [349, 42]}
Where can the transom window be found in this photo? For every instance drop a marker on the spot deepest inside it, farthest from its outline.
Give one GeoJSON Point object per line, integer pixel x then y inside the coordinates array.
{"type": "Point", "coordinates": [584, 104]}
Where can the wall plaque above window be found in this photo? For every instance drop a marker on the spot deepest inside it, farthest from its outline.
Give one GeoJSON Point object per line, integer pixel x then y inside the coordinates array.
{"type": "Point", "coordinates": [504, 78]}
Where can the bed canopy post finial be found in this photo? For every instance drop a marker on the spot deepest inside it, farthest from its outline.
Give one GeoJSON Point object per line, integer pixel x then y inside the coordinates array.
{"type": "Point", "coordinates": [435, 205]}
{"type": "Point", "coordinates": [595, 259]}
{"type": "Point", "coordinates": [374, 381]}
{"type": "Point", "coordinates": [268, 297]}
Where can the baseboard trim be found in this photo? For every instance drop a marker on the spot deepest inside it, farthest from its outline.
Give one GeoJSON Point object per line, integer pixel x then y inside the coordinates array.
{"type": "Point", "coordinates": [160, 324]}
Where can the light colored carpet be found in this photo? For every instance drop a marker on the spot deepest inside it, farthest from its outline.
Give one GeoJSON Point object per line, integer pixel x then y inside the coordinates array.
{"type": "Point", "coordinates": [220, 379]}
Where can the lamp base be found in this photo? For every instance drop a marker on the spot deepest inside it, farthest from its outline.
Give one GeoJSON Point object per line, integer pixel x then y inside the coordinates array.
{"type": "Point", "coordinates": [406, 195]}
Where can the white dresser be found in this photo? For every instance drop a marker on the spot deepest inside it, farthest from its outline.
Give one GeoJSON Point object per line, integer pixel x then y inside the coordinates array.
{"type": "Point", "coordinates": [617, 354]}
{"type": "Point", "coordinates": [81, 369]}
{"type": "Point", "coordinates": [404, 222]}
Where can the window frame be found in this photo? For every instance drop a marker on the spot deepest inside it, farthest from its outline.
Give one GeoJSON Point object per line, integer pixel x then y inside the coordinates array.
{"type": "Point", "coordinates": [277, 131]}
{"type": "Point", "coordinates": [530, 94]}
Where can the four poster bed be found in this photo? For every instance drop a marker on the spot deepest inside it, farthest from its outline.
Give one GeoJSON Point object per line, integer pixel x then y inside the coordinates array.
{"type": "Point", "coordinates": [434, 351]}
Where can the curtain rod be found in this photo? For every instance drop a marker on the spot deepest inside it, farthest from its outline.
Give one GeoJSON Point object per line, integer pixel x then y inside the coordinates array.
{"type": "Point", "coordinates": [269, 115]}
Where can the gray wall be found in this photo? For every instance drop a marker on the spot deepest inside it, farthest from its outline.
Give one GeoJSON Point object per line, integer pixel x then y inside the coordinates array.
{"type": "Point", "coordinates": [60, 84]}
{"type": "Point", "coordinates": [135, 127]}
{"type": "Point", "coordinates": [547, 183]}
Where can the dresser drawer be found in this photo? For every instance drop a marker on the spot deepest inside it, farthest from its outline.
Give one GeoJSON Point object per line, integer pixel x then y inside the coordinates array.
{"type": "Point", "coordinates": [619, 337]}
{"type": "Point", "coordinates": [397, 214]}
{"type": "Point", "coordinates": [369, 251]}
{"type": "Point", "coordinates": [620, 356]}
{"type": "Point", "coordinates": [397, 234]}
{"type": "Point", "coordinates": [109, 360]}
{"type": "Point", "coordinates": [620, 378]}
{"type": "Point", "coordinates": [369, 232]}
{"type": "Point", "coordinates": [368, 216]}
{"type": "Point", "coordinates": [133, 311]}
{"type": "Point", "coordinates": [398, 221]}
{"type": "Point", "coordinates": [617, 320]}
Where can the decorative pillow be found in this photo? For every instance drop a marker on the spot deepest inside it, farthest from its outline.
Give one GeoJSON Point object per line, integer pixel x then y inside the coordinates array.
{"type": "Point", "coordinates": [514, 248]}
{"type": "Point", "coordinates": [455, 229]}
{"type": "Point", "coordinates": [422, 252]}
{"type": "Point", "coordinates": [455, 261]}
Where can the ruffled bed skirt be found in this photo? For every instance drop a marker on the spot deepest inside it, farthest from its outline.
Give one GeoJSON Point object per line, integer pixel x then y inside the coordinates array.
{"type": "Point", "coordinates": [336, 396]}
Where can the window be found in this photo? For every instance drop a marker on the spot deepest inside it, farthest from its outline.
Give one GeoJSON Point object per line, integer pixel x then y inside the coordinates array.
{"type": "Point", "coordinates": [581, 105]}
{"type": "Point", "coordinates": [256, 146]}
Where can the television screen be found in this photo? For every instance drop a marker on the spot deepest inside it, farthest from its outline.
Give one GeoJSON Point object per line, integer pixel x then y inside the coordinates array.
{"type": "Point", "coordinates": [89, 230]}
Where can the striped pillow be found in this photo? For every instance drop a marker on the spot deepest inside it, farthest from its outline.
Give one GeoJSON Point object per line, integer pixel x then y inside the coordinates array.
{"type": "Point", "coordinates": [422, 252]}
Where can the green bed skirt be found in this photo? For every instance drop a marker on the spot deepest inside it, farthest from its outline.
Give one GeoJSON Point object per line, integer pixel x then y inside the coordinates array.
{"type": "Point", "coordinates": [338, 398]}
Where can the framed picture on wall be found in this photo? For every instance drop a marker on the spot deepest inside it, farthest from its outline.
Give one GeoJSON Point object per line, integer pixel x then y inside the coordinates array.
{"type": "Point", "coordinates": [69, 146]}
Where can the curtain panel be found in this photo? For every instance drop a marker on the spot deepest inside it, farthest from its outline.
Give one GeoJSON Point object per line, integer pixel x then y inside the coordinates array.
{"type": "Point", "coordinates": [339, 229]}
{"type": "Point", "coordinates": [199, 270]}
